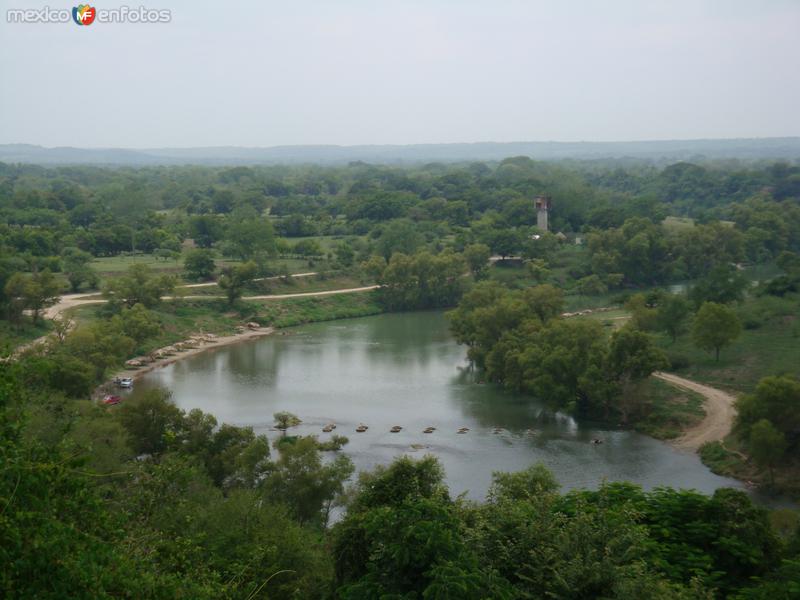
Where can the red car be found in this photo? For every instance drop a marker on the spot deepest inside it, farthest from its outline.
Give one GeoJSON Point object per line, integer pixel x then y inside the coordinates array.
{"type": "Point", "coordinates": [109, 400]}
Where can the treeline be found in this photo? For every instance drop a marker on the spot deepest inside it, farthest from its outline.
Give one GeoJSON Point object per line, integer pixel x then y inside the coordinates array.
{"type": "Point", "coordinates": [143, 500]}
{"type": "Point", "coordinates": [109, 211]}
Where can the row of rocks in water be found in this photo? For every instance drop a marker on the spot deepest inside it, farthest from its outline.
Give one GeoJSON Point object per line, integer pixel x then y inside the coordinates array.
{"type": "Point", "coordinates": [397, 429]}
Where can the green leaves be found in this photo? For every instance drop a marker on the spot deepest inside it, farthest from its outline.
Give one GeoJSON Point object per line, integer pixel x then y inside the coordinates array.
{"type": "Point", "coordinates": [715, 326]}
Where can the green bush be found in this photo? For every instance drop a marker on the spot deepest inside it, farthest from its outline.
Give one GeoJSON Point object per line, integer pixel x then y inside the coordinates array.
{"type": "Point", "coordinates": [678, 361]}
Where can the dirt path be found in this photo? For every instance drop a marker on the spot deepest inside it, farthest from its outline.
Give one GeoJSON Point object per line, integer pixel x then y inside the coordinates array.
{"type": "Point", "coordinates": [366, 288]}
{"type": "Point", "coordinates": [720, 413]}
{"type": "Point", "coordinates": [68, 301]}
{"type": "Point", "coordinates": [210, 283]}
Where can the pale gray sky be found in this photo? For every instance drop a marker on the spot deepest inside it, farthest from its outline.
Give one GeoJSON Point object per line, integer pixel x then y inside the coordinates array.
{"type": "Point", "coordinates": [263, 73]}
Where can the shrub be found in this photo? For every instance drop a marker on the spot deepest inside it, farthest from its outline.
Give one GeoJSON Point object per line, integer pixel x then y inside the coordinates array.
{"type": "Point", "coordinates": [678, 361]}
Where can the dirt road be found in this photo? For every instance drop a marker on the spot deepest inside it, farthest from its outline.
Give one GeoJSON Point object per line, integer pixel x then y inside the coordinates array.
{"type": "Point", "coordinates": [366, 288]}
{"type": "Point", "coordinates": [68, 301]}
{"type": "Point", "coordinates": [720, 413]}
{"type": "Point", "coordinates": [210, 283]}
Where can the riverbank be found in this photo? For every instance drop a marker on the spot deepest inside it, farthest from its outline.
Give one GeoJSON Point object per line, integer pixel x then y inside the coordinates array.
{"type": "Point", "coordinates": [200, 342]}
{"type": "Point", "coordinates": [197, 327]}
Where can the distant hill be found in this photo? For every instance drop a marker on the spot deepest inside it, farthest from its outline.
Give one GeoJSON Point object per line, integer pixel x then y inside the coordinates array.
{"type": "Point", "coordinates": [746, 149]}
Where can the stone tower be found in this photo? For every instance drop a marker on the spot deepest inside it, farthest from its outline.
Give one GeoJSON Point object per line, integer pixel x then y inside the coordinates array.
{"type": "Point", "coordinates": [542, 208]}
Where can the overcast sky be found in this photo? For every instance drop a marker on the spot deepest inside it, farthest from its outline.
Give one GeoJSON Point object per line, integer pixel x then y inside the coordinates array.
{"type": "Point", "coordinates": [263, 73]}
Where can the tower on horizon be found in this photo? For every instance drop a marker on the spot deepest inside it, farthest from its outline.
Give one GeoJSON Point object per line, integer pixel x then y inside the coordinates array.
{"type": "Point", "coordinates": [542, 208]}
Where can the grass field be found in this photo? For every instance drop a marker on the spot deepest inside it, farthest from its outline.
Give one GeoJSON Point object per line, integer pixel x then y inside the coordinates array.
{"type": "Point", "coordinates": [296, 311]}
{"type": "Point", "coordinates": [768, 345]}
{"type": "Point", "coordinates": [115, 265]}
{"type": "Point", "coordinates": [668, 410]}
{"type": "Point", "coordinates": [327, 242]}
{"type": "Point", "coordinates": [729, 458]}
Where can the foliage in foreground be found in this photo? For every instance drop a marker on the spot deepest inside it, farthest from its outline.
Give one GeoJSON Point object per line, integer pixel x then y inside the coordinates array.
{"type": "Point", "coordinates": [144, 500]}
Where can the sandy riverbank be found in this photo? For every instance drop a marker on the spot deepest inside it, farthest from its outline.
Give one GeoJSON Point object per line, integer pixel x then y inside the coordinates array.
{"type": "Point", "coordinates": [217, 342]}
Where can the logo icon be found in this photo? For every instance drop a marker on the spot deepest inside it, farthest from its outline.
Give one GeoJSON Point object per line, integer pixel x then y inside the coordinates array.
{"type": "Point", "coordinates": [83, 14]}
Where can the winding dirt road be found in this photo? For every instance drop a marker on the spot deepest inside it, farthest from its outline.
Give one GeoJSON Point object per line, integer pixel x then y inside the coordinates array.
{"type": "Point", "coordinates": [720, 413]}
{"type": "Point", "coordinates": [210, 283]}
{"type": "Point", "coordinates": [366, 288]}
{"type": "Point", "coordinates": [68, 301]}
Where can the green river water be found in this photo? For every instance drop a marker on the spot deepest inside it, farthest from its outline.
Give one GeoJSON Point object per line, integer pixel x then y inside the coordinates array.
{"type": "Point", "coordinates": [405, 369]}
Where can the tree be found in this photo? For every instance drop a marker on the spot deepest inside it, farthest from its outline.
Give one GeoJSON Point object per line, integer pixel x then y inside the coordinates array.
{"type": "Point", "coordinates": [150, 420]}
{"type": "Point", "coordinates": [16, 293]}
{"type": "Point", "coordinates": [98, 345]}
{"type": "Point", "coordinates": [303, 482]}
{"type": "Point", "coordinates": [249, 235]}
{"type": "Point", "coordinates": [533, 482]}
{"type": "Point", "coordinates": [776, 399]}
{"type": "Point", "coordinates": [234, 279]}
{"type": "Point", "coordinates": [33, 293]}
{"type": "Point", "coordinates": [537, 268]}
{"type": "Point", "coordinates": [423, 280]}
{"type": "Point", "coordinates": [76, 268]}
{"type": "Point", "coordinates": [199, 264]}
{"type": "Point", "coordinates": [43, 292]}
{"type": "Point", "coordinates": [673, 312]}
{"type": "Point", "coordinates": [236, 457]}
{"type": "Point", "coordinates": [138, 286]}
{"type": "Point", "coordinates": [345, 254]}
{"type": "Point", "coordinates": [309, 247]}
{"type": "Point", "coordinates": [715, 326]}
{"type": "Point", "coordinates": [374, 267]}
{"type": "Point", "coordinates": [767, 446]}
{"type": "Point", "coordinates": [205, 230]}
{"type": "Point", "coordinates": [505, 242]}
{"type": "Point", "coordinates": [477, 257]}
{"type": "Point", "coordinates": [591, 285]}
{"type": "Point", "coordinates": [632, 357]}
{"type": "Point", "coordinates": [723, 284]}
{"type": "Point", "coordinates": [284, 420]}
{"type": "Point", "coordinates": [644, 314]}
{"type": "Point", "coordinates": [545, 301]}
{"type": "Point", "coordinates": [137, 323]}
{"type": "Point", "coordinates": [399, 236]}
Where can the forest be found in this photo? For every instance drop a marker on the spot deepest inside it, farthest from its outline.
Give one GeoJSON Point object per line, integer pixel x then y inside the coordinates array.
{"type": "Point", "coordinates": [690, 268]}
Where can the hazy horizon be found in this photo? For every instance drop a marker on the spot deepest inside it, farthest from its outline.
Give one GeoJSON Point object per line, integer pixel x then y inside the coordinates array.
{"type": "Point", "coordinates": [474, 142]}
{"type": "Point", "coordinates": [264, 74]}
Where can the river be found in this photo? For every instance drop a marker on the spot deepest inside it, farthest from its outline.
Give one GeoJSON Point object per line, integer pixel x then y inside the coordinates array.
{"type": "Point", "coordinates": [406, 369]}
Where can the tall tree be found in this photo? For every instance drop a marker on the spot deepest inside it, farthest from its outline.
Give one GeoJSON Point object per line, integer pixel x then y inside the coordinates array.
{"type": "Point", "coordinates": [199, 264]}
{"type": "Point", "coordinates": [715, 326]}
{"type": "Point", "coordinates": [673, 313]}
{"type": "Point", "coordinates": [234, 279]}
{"type": "Point", "coordinates": [477, 257]}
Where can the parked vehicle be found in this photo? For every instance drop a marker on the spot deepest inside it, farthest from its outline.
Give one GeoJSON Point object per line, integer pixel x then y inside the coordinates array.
{"type": "Point", "coordinates": [110, 399]}
{"type": "Point", "coordinates": [125, 382]}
